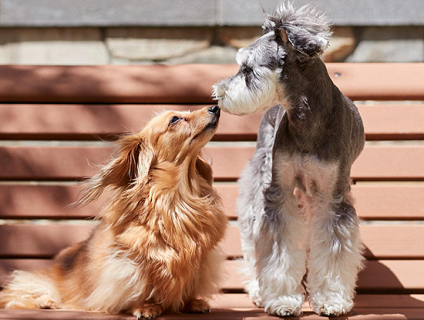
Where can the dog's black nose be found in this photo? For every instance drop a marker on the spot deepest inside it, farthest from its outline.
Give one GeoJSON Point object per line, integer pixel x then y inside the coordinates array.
{"type": "Point", "coordinates": [214, 110]}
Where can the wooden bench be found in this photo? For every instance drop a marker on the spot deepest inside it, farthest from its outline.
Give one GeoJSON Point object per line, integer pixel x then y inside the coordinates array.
{"type": "Point", "coordinates": [56, 121]}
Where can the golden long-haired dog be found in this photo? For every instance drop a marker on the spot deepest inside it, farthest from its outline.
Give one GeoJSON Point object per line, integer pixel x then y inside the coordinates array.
{"type": "Point", "coordinates": [155, 248]}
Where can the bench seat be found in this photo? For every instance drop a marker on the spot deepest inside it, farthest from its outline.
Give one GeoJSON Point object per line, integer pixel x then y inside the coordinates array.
{"type": "Point", "coordinates": [238, 306]}
{"type": "Point", "coordinates": [58, 122]}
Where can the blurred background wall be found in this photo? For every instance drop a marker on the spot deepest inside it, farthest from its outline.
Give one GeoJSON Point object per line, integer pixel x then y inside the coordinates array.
{"type": "Point", "coordinates": [90, 32]}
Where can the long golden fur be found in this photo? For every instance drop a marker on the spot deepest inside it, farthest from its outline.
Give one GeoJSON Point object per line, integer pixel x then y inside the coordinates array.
{"type": "Point", "coordinates": [155, 248]}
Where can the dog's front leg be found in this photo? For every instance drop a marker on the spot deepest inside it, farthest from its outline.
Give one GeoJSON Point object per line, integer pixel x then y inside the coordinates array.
{"type": "Point", "coordinates": [335, 259]}
{"type": "Point", "coordinates": [280, 254]}
{"type": "Point", "coordinates": [194, 305]}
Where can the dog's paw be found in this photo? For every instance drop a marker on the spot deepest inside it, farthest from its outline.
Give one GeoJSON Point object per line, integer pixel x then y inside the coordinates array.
{"type": "Point", "coordinates": [147, 311]}
{"type": "Point", "coordinates": [253, 289]}
{"type": "Point", "coordinates": [197, 306]}
{"type": "Point", "coordinates": [256, 298]}
{"type": "Point", "coordinates": [285, 306]}
{"type": "Point", "coordinates": [45, 302]}
{"type": "Point", "coordinates": [331, 306]}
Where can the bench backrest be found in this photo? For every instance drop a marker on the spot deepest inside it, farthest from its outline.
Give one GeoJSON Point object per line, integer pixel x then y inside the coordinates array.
{"type": "Point", "coordinates": [55, 123]}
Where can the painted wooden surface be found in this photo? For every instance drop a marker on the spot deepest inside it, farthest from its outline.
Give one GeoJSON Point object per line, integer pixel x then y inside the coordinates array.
{"type": "Point", "coordinates": [376, 162]}
{"type": "Point", "coordinates": [40, 201]}
{"type": "Point", "coordinates": [187, 83]}
{"type": "Point", "coordinates": [38, 240]}
{"type": "Point", "coordinates": [79, 105]}
{"type": "Point", "coordinates": [106, 121]}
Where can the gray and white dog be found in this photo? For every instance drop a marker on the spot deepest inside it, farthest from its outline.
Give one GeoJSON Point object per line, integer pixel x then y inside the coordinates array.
{"type": "Point", "coordinates": [295, 208]}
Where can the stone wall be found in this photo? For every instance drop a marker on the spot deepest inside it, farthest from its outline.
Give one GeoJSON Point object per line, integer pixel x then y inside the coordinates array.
{"type": "Point", "coordinates": [143, 45]}
{"type": "Point", "coordinates": [87, 32]}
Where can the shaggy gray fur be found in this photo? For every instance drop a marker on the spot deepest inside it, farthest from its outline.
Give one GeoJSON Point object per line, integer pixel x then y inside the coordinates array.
{"type": "Point", "coordinates": [315, 128]}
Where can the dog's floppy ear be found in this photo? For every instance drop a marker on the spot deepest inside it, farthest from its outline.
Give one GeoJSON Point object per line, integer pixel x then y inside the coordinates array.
{"type": "Point", "coordinates": [305, 41]}
{"type": "Point", "coordinates": [284, 36]}
{"type": "Point", "coordinates": [131, 165]}
{"type": "Point", "coordinates": [304, 29]}
{"type": "Point", "coordinates": [204, 169]}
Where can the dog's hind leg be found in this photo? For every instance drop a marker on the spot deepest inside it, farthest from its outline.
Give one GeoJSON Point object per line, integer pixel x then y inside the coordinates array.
{"type": "Point", "coordinates": [208, 282]}
{"type": "Point", "coordinates": [30, 290]}
{"type": "Point", "coordinates": [281, 257]}
{"type": "Point", "coordinates": [335, 260]}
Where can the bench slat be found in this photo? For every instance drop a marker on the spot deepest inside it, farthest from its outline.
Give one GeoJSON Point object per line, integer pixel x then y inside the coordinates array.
{"type": "Point", "coordinates": [389, 201]}
{"type": "Point", "coordinates": [229, 300]}
{"type": "Point", "coordinates": [241, 300]}
{"type": "Point", "coordinates": [395, 162]}
{"type": "Point", "coordinates": [376, 162]}
{"type": "Point", "coordinates": [364, 81]}
{"type": "Point", "coordinates": [44, 201]}
{"type": "Point", "coordinates": [381, 241]}
{"type": "Point", "coordinates": [91, 122]}
{"type": "Point", "coordinates": [392, 275]}
{"type": "Point", "coordinates": [217, 313]}
{"type": "Point", "coordinates": [44, 241]}
{"type": "Point", "coordinates": [373, 202]}
{"type": "Point", "coordinates": [111, 84]}
{"type": "Point", "coordinates": [186, 83]}
{"type": "Point", "coordinates": [393, 241]}
{"type": "Point", "coordinates": [52, 121]}
{"type": "Point", "coordinates": [69, 163]}
{"type": "Point", "coordinates": [393, 122]}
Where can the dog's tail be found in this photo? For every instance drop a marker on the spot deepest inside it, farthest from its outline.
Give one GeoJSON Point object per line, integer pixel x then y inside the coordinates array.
{"type": "Point", "coordinates": [29, 290]}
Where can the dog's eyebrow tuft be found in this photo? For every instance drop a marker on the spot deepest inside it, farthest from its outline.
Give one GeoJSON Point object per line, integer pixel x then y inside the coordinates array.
{"type": "Point", "coordinates": [241, 56]}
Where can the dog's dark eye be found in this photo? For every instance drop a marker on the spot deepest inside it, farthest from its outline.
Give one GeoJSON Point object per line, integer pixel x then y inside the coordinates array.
{"type": "Point", "coordinates": [174, 119]}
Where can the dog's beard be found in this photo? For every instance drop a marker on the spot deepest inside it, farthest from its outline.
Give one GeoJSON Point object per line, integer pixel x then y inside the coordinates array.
{"type": "Point", "coordinates": [235, 97]}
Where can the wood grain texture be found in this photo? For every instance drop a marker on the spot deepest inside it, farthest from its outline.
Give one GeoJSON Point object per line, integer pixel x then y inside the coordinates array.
{"type": "Point", "coordinates": [88, 103]}
{"type": "Point", "coordinates": [44, 241]}
{"type": "Point", "coordinates": [32, 201]}
{"type": "Point", "coordinates": [372, 202]}
{"type": "Point", "coordinates": [111, 83]}
{"type": "Point", "coordinates": [389, 201]}
{"type": "Point", "coordinates": [389, 162]}
{"type": "Point", "coordinates": [186, 83]}
{"type": "Point", "coordinates": [379, 81]}
{"type": "Point", "coordinates": [376, 162]}
{"type": "Point", "coordinates": [377, 276]}
{"type": "Point", "coordinates": [69, 163]}
{"type": "Point", "coordinates": [393, 121]}
{"type": "Point", "coordinates": [229, 300]}
{"type": "Point", "coordinates": [24, 240]}
{"type": "Point", "coordinates": [238, 306]}
{"type": "Point", "coordinates": [44, 201]}
{"type": "Point", "coordinates": [106, 121]}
